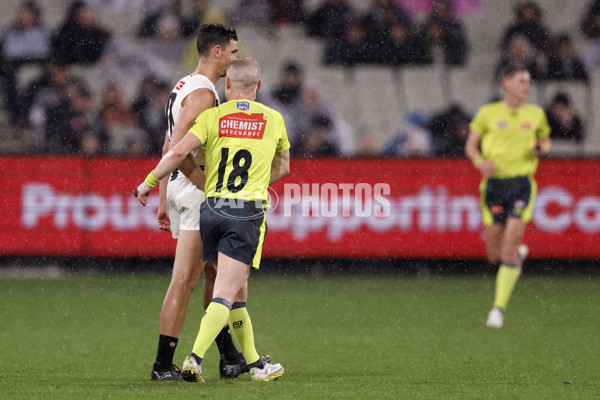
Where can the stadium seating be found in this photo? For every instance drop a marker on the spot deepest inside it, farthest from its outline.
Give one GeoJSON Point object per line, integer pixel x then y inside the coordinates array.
{"type": "Point", "coordinates": [376, 99]}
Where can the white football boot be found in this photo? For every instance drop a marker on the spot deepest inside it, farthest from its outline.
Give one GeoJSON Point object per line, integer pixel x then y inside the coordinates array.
{"type": "Point", "coordinates": [269, 372]}
{"type": "Point", "coordinates": [495, 319]}
{"type": "Point", "coordinates": [191, 371]}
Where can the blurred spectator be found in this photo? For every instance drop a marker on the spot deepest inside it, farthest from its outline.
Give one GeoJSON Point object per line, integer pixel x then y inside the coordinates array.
{"type": "Point", "coordinates": [330, 19]}
{"type": "Point", "coordinates": [351, 48]}
{"type": "Point", "coordinates": [590, 22]}
{"type": "Point", "coordinates": [413, 139]}
{"type": "Point", "coordinates": [50, 111]}
{"type": "Point", "coordinates": [564, 123]}
{"type": "Point", "coordinates": [188, 20]}
{"type": "Point", "coordinates": [117, 116]}
{"type": "Point", "coordinates": [287, 12]}
{"type": "Point", "coordinates": [312, 107]}
{"type": "Point", "coordinates": [369, 146]}
{"type": "Point", "coordinates": [317, 140]}
{"type": "Point", "coordinates": [426, 7]}
{"type": "Point", "coordinates": [440, 46]}
{"type": "Point", "coordinates": [521, 52]}
{"type": "Point", "coordinates": [528, 23]}
{"type": "Point", "coordinates": [136, 142]}
{"type": "Point", "coordinates": [563, 63]}
{"type": "Point", "coordinates": [590, 26]}
{"type": "Point", "coordinates": [379, 18]}
{"type": "Point", "coordinates": [300, 103]}
{"type": "Point", "coordinates": [256, 13]}
{"type": "Point", "coordinates": [87, 127]}
{"type": "Point", "coordinates": [165, 50]}
{"type": "Point", "coordinates": [144, 97]}
{"type": "Point", "coordinates": [384, 13]}
{"type": "Point", "coordinates": [149, 107]}
{"type": "Point", "coordinates": [450, 129]}
{"type": "Point", "coordinates": [443, 11]}
{"type": "Point", "coordinates": [53, 72]}
{"type": "Point", "coordinates": [91, 145]}
{"type": "Point", "coordinates": [287, 93]}
{"type": "Point", "coordinates": [400, 46]}
{"type": "Point", "coordinates": [113, 110]}
{"type": "Point", "coordinates": [80, 40]}
{"type": "Point", "coordinates": [26, 41]}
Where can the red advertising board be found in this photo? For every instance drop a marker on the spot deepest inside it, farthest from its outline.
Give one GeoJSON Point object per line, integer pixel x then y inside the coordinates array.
{"type": "Point", "coordinates": [325, 208]}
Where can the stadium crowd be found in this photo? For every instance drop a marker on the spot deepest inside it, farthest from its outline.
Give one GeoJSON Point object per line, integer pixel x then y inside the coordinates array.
{"type": "Point", "coordinates": [64, 114]}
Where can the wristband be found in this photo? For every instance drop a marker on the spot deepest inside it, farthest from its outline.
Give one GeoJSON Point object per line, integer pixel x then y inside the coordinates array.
{"type": "Point", "coordinates": [151, 180]}
{"type": "Point", "coordinates": [477, 162]}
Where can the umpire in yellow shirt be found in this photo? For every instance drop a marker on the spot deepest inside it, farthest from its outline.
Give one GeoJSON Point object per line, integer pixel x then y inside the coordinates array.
{"type": "Point", "coordinates": [247, 149]}
{"type": "Point", "coordinates": [512, 134]}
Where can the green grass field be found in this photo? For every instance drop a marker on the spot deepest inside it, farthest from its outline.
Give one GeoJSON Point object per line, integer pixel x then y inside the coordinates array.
{"type": "Point", "coordinates": [94, 337]}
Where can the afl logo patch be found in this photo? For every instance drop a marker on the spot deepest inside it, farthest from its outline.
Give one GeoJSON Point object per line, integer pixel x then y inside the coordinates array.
{"type": "Point", "coordinates": [243, 105]}
{"type": "Point", "coordinates": [501, 124]}
{"type": "Point", "coordinates": [496, 209]}
{"type": "Point", "coordinates": [520, 204]}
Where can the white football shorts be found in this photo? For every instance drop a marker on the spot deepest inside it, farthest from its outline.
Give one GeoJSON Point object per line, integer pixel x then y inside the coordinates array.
{"type": "Point", "coordinates": [184, 200]}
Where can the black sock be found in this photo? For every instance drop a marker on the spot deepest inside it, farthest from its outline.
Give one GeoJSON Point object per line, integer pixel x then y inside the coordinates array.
{"type": "Point", "coordinates": [166, 351]}
{"type": "Point", "coordinates": [225, 344]}
{"type": "Point", "coordinates": [197, 358]}
{"type": "Point", "coordinates": [257, 364]}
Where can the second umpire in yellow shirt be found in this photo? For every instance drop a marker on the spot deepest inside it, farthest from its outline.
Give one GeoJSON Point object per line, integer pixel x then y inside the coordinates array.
{"type": "Point", "coordinates": [512, 134]}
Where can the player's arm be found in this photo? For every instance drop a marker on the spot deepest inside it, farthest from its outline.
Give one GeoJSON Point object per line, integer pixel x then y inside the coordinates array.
{"type": "Point", "coordinates": [162, 215]}
{"type": "Point", "coordinates": [167, 164]}
{"type": "Point", "coordinates": [542, 146]}
{"type": "Point", "coordinates": [280, 166]}
{"type": "Point", "coordinates": [486, 167]}
{"type": "Point", "coordinates": [193, 105]}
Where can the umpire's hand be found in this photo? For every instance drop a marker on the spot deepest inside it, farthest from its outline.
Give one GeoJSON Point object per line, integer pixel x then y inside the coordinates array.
{"type": "Point", "coordinates": [141, 192]}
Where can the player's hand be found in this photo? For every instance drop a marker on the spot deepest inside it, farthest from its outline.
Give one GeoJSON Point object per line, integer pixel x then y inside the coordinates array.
{"type": "Point", "coordinates": [487, 168]}
{"type": "Point", "coordinates": [141, 192]}
{"type": "Point", "coordinates": [162, 217]}
{"type": "Point", "coordinates": [539, 149]}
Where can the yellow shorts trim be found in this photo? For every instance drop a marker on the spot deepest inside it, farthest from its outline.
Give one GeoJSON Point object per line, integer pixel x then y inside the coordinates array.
{"type": "Point", "coordinates": [258, 254]}
{"type": "Point", "coordinates": [528, 211]}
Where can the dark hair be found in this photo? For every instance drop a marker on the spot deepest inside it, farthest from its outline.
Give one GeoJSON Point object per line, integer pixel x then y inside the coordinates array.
{"type": "Point", "coordinates": [563, 38]}
{"type": "Point", "coordinates": [320, 121]}
{"type": "Point", "coordinates": [214, 34]}
{"type": "Point", "coordinates": [520, 7]}
{"type": "Point", "coordinates": [561, 97]}
{"type": "Point", "coordinates": [292, 66]}
{"type": "Point", "coordinates": [510, 69]}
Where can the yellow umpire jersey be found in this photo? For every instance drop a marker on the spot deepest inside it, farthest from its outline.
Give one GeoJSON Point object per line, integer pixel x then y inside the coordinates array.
{"type": "Point", "coordinates": [241, 138]}
{"type": "Point", "coordinates": [508, 136]}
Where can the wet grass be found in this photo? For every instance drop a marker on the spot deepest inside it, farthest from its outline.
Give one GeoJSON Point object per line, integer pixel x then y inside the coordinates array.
{"type": "Point", "coordinates": [337, 337]}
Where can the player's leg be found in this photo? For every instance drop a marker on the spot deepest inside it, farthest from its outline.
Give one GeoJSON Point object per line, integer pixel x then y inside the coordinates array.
{"type": "Point", "coordinates": [241, 325]}
{"type": "Point", "coordinates": [187, 269]}
{"type": "Point", "coordinates": [232, 363]}
{"type": "Point", "coordinates": [511, 263]}
{"type": "Point", "coordinates": [231, 276]}
{"type": "Point", "coordinates": [527, 195]}
{"type": "Point", "coordinates": [210, 274]}
{"type": "Point", "coordinates": [509, 270]}
{"type": "Point", "coordinates": [493, 242]}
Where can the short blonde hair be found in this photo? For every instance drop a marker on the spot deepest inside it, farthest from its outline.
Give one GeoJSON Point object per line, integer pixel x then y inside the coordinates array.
{"type": "Point", "coordinates": [244, 71]}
